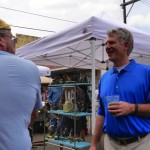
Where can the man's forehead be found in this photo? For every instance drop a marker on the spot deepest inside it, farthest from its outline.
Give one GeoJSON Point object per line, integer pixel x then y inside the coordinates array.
{"type": "Point", "coordinates": [112, 36]}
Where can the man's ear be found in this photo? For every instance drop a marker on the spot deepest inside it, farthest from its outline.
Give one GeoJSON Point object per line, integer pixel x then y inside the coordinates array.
{"type": "Point", "coordinates": [126, 45]}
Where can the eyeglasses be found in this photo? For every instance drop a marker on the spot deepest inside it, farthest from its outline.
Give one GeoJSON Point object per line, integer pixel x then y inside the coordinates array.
{"type": "Point", "coordinates": [12, 38]}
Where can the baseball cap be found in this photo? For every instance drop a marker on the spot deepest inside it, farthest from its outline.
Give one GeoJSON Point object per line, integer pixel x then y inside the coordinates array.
{"type": "Point", "coordinates": [4, 25]}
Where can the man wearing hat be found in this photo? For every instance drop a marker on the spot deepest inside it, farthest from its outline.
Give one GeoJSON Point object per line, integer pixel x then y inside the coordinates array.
{"type": "Point", "coordinates": [20, 95]}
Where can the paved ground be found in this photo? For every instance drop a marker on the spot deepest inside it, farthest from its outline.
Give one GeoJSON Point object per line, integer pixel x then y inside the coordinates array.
{"type": "Point", "coordinates": [40, 137]}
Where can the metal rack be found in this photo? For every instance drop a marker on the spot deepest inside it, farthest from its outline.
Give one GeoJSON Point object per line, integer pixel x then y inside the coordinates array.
{"type": "Point", "coordinates": [64, 142]}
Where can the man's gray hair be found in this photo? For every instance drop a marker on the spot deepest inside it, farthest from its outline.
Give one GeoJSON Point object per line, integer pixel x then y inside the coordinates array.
{"type": "Point", "coordinates": [124, 36]}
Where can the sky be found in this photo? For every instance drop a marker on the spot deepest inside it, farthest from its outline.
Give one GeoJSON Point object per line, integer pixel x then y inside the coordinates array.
{"type": "Point", "coordinates": [73, 11]}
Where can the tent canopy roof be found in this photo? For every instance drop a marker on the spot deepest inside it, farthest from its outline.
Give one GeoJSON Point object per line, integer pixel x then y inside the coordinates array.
{"type": "Point", "coordinates": [71, 48]}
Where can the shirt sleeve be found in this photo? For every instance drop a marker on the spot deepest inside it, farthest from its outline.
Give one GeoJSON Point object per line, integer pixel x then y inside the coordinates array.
{"type": "Point", "coordinates": [148, 95]}
{"type": "Point", "coordinates": [38, 104]}
{"type": "Point", "coordinates": [101, 110]}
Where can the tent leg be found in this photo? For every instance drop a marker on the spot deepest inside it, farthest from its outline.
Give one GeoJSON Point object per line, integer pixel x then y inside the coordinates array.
{"type": "Point", "coordinates": [92, 40]}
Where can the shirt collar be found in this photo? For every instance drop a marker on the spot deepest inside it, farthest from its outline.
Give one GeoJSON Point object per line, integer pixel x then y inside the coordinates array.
{"type": "Point", "coordinates": [4, 53]}
{"type": "Point", "coordinates": [129, 67]}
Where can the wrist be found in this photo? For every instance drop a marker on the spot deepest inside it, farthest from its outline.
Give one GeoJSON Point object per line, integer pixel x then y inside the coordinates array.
{"type": "Point", "coordinates": [131, 108]}
{"type": "Point", "coordinates": [136, 109]}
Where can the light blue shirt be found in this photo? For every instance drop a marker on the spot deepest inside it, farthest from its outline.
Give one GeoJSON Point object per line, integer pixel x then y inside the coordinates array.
{"type": "Point", "coordinates": [20, 93]}
{"type": "Point", "coordinates": [132, 84]}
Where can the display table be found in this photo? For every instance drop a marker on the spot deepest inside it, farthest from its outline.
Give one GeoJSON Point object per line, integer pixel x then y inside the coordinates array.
{"type": "Point", "coordinates": [75, 145]}
{"type": "Point", "coordinates": [77, 114]}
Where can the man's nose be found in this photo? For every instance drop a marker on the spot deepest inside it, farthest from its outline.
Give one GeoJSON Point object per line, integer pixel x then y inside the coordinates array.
{"type": "Point", "coordinates": [107, 45]}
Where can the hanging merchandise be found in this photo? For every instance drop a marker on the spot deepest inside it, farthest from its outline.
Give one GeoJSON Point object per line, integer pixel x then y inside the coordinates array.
{"type": "Point", "coordinates": [69, 96]}
{"type": "Point", "coordinates": [68, 107]}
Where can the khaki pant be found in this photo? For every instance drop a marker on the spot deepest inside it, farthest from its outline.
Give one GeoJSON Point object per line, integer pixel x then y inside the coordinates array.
{"type": "Point", "coordinates": [100, 145]}
{"type": "Point", "coordinates": [143, 144]}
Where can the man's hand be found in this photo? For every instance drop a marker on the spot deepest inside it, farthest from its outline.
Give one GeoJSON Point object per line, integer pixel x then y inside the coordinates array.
{"type": "Point", "coordinates": [120, 108]}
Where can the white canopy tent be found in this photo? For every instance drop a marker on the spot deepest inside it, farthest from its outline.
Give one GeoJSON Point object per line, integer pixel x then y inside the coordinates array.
{"type": "Point", "coordinates": [72, 47]}
{"type": "Point", "coordinates": [44, 71]}
{"type": "Point", "coordinates": [81, 46]}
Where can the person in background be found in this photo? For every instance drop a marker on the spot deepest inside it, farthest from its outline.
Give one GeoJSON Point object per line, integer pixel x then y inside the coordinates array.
{"type": "Point", "coordinates": [126, 123]}
{"type": "Point", "coordinates": [54, 97]}
{"type": "Point", "coordinates": [20, 94]}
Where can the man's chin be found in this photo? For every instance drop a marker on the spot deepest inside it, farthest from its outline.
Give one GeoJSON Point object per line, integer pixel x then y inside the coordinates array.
{"type": "Point", "coordinates": [111, 59]}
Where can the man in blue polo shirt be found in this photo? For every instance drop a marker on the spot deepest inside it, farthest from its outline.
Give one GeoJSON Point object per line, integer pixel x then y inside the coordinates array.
{"type": "Point", "coordinates": [20, 94]}
{"type": "Point", "coordinates": [126, 120]}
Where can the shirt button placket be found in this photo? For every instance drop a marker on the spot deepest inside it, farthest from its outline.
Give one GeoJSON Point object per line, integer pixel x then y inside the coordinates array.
{"type": "Point", "coordinates": [117, 86]}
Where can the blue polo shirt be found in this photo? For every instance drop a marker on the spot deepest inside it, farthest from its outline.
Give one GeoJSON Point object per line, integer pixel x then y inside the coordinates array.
{"type": "Point", "coordinates": [132, 84]}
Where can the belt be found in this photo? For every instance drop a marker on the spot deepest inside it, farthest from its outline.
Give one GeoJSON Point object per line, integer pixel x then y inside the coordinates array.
{"type": "Point", "coordinates": [125, 141]}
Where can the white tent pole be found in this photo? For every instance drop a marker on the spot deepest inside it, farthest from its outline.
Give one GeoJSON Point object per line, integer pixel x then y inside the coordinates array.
{"type": "Point", "coordinates": [93, 81]}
